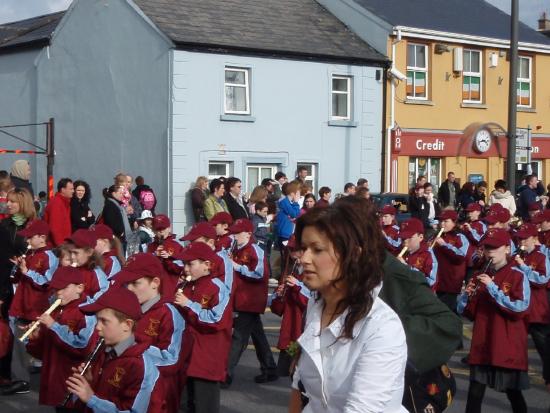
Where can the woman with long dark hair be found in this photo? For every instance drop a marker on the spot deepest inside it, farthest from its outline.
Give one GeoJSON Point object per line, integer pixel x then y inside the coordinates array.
{"type": "Point", "coordinates": [114, 214]}
{"type": "Point", "coordinates": [353, 349]}
{"type": "Point", "coordinates": [81, 214]}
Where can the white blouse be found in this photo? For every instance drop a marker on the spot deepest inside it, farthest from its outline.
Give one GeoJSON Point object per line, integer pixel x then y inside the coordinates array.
{"type": "Point", "coordinates": [365, 374]}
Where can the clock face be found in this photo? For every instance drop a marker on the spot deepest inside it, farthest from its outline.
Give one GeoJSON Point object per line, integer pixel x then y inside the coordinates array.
{"type": "Point", "coordinates": [482, 141]}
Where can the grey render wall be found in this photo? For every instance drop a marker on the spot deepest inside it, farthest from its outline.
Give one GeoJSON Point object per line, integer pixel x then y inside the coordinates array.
{"type": "Point", "coordinates": [105, 80]}
{"type": "Point", "coordinates": [291, 105]}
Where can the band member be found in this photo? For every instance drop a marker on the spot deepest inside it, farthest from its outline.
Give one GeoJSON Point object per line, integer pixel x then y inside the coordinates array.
{"type": "Point", "coordinates": [125, 377]}
{"type": "Point", "coordinates": [536, 267]}
{"type": "Point", "coordinates": [543, 222]}
{"type": "Point", "coordinates": [164, 246]}
{"type": "Point", "coordinates": [211, 336]}
{"type": "Point", "coordinates": [499, 217]}
{"type": "Point", "coordinates": [221, 222]}
{"type": "Point", "coordinates": [497, 300]}
{"type": "Point", "coordinates": [250, 299]}
{"type": "Point", "coordinates": [64, 338]}
{"type": "Point", "coordinates": [450, 250]}
{"type": "Point", "coordinates": [390, 229]}
{"type": "Point", "coordinates": [161, 324]}
{"type": "Point", "coordinates": [419, 255]}
{"type": "Point", "coordinates": [110, 249]}
{"type": "Point", "coordinates": [474, 228]}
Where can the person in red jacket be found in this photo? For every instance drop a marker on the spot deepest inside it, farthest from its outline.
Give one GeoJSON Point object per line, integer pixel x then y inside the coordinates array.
{"type": "Point", "coordinates": [161, 325]}
{"type": "Point", "coordinates": [88, 262]}
{"type": "Point", "coordinates": [390, 229]}
{"type": "Point", "coordinates": [125, 376]}
{"type": "Point", "coordinates": [109, 248]}
{"type": "Point", "coordinates": [450, 250]}
{"type": "Point", "coordinates": [58, 212]}
{"type": "Point", "coordinates": [497, 300]}
{"type": "Point", "coordinates": [202, 297]}
{"type": "Point", "coordinates": [419, 255]}
{"type": "Point", "coordinates": [64, 338]}
{"type": "Point", "coordinates": [250, 299]}
{"type": "Point", "coordinates": [221, 222]}
{"type": "Point", "coordinates": [165, 247]}
{"type": "Point", "coordinates": [536, 266]}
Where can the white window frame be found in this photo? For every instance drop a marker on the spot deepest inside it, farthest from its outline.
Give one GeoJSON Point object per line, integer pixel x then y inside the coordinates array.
{"type": "Point", "coordinates": [348, 92]}
{"type": "Point", "coordinates": [418, 69]}
{"type": "Point", "coordinates": [313, 177]}
{"type": "Point", "coordinates": [526, 80]}
{"type": "Point", "coordinates": [474, 74]}
{"type": "Point", "coordinates": [228, 169]}
{"type": "Point", "coordinates": [428, 175]}
{"type": "Point", "coordinates": [274, 169]}
{"type": "Point", "coordinates": [246, 86]}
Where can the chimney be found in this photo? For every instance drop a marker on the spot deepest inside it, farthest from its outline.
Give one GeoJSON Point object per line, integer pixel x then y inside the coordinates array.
{"type": "Point", "coordinates": [544, 24]}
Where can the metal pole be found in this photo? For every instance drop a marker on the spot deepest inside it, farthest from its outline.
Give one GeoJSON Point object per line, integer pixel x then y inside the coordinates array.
{"type": "Point", "coordinates": [50, 155]}
{"type": "Point", "coordinates": [512, 99]}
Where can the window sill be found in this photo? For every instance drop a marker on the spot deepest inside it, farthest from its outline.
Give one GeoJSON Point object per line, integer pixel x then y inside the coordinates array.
{"type": "Point", "coordinates": [237, 118]}
{"type": "Point", "coordinates": [343, 123]}
{"type": "Point", "coordinates": [419, 102]}
{"type": "Point", "coordinates": [528, 110]}
{"type": "Point", "coordinates": [473, 105]}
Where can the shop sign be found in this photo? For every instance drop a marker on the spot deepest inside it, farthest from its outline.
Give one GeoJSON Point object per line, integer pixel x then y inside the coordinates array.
{"type": "Point", "coordinates": [436, 145]}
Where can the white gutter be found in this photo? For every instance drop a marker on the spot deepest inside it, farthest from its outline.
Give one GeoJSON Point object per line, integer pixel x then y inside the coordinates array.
{"type": "Point", "coordinates": [468, 39]}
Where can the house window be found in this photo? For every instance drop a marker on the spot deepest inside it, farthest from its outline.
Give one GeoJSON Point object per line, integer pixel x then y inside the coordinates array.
{"type": "Point", "coordinates": [255, 174]}
{"type": "Point", "coordinates": [311, 177]}
{"type": "Point", "coordinates": [219, 168]}
{"type": "Point", "coordinates": [237, 91]}
{"type": "Point", "coordinates": [524, 81]}
{"type": "Point", "coordinates": [417, 71]}
{"type": "Point", "coordinates": [428, 167]}
{"type": "Point", "coordinates": [471, 83]}
{"type": "Point", "coordinates": [341, 98]}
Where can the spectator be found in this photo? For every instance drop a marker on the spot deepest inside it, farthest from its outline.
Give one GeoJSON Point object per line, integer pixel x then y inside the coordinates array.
{"type": "Point", "coordinates": [362, 192]}
{"type": "Point", "coordinates": [349, 189]}
{"type": "Point", "coordinates": [466, 195]}
{"type": "Point", "coordinates": [259, 194]}
{"type": "Point", "coordinates": [146, 234]}
{"type": "Point", "coordinates": [5, 186]}
{"type": "Point", "coordinates": [481, 193]}
{"type": "Point", "coordinates": [215, 202]}
{"type": "Point", "coordinates": [280, 179]}
{"type": "Point", "coordinates": [418, 205]}
{"type": "Point", "coordinates": [114, 214]}
{"type": "Point", "coordinates": [301, 174]}
{"type": "Point", "coordinates": [362, 182]}
{"type": "Point", "coordinates": [324, 197]}
{"type": "Point", "coordinates": [527, 196]}
{"type": "Point", "coordinates": [272, 197]}
{"type": "Point", "coordinates": [21, 174]}
{"type": "Point", "coordinates": [501, 195]}
{"type": "Point", "coordinates": [234, 200]}
{"type": "Point", "coordinates": [58, 212]}
{"type": "Point", "coordinates": [420, 181]}
{"type": "Point", "coordinates": [198, 196]}
{"type": "Point", "coordinates": [81, 214]}
{"type": "Point", "coordinates": [42, 202]}
{"type": "Point", "coordinates": [145, 195]}
{"type": "Point", "coordinates": [448, 192]}
{"type": "Point", "coordinates": [433, 208]}
{"type": "Point", "coordinates": [309, 202]}
{"type": "Point", "coordinates": [134, 208]}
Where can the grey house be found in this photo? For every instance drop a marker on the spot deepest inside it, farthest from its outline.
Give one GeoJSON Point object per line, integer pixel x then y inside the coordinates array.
{"type": "Point", "coordinates": [176, 89]}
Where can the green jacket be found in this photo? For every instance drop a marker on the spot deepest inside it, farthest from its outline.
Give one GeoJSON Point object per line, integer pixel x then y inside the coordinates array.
{"type": "Point", "coordinates": [212, 206]}
{"type": "Point", "coordinates": [433, 331]}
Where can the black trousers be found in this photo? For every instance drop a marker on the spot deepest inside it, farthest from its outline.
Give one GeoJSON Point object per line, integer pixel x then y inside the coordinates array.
{"type": "Point", "coordinates": [476, 392]}
{"type": "Point", "coordinates": [247, 325]}
{"type": "Point", "coordinates": [203, 396]}
{"type": "Point", "coordinates": [540, 333]}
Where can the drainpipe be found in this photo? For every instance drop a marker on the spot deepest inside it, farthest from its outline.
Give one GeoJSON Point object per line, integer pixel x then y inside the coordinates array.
{"type": "Point", "coordinates": [389, 178]}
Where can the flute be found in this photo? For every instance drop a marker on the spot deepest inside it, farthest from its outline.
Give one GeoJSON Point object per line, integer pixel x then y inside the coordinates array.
{"type": "Point", "coordinates": [35, 324]}
{"type": "Point", "coordinates": [285, 285]}
{"type": "Point", "coordinates": [403, 252]}
{"type": "Point", "coordinates": [477, 283]}
{"type": "Point", "coordinates": [182, 284]}
{"type": "Point", "coordinates": [87, 365]}
{"type": "Point", "coordinates": [436, 237]}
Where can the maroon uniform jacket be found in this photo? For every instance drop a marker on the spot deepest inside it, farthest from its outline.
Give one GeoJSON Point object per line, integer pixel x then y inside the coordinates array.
{"type": "Point", "coordinates": [163, 327]}
{"type": "Point", "coordinates": [209, 317]}
{"type": "Point", "coordinates": [173, 270]}
{"type": "Point", "coordinates": [127, 382]}
{"type": "Point", "coordinates": [538, 273]}
{"type": "Point", "coordinates": [111, 264]}
{"type": "Point", "coordinates": [500, 333]}
{"type": "Point", "coordinates": [393, 242]}
{"type": "Point", "coordinates": [224, 242]}
{"type": "Point", "coordinates": [423, 260]}
{"type": "Point", "coordinates": [291, 307]}
{"type": "Point", "coordinates": [31, 296]}
{"type": "Point", "coordinates": [544, 238]}
{"type": "Point", "coordinates": [474, 235]}
{"type": "Point", "coordinates": [251, 279]}
{"type": "Point", "coordinates": [451, 261]}
{"type": "Point", "coordinates": [94, 281]}
{"type": "Point", "coordinates": [63, 346]}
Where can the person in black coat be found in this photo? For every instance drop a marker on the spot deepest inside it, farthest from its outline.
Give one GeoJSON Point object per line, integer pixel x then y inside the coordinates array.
{"type": "Point", "coordinates": [81, 214]}
{"type": "Point", "coordinates": [418, 205]}
{"type": "Point", "coordinates": [235, 203]}
{"type": "Point", "coordinates": [114, 214]}
{"type": "Point", "coordinates": [448, 192]}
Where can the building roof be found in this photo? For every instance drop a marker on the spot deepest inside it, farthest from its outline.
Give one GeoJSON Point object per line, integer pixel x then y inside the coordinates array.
{"type": "Point", "coordinates": [287, 27]}
{"type": "Point", "coordinates": [35, 31]}
{"type": "Point", "coordinates": [470, 17]}
{"type": "Point", "coordinates": [292, 28]}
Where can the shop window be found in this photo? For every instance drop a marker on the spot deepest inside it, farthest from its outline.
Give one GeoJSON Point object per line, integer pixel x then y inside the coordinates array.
{"type": "Point", "coordinates": [219, 168]}
{"type": "Point", "coordinates": [237, 91]}
{"type": "Point", "coordinates": [428, 167]}
{"type": "Point", "coordinates": [471, 77]}
{"type": "Point", "coordinates": [417, 71]}
{"type": "Point", "coordinates": [311, 177]}
{"type": "Point", "coordinates": [524, 81]}
{"type": "Point", "coordinates": [341, 98]}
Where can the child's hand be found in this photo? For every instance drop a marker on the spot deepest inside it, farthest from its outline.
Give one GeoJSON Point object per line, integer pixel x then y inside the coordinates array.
{"type": "Point", "coordinates": [291, 281]}
{"type": "Point", "coordinates": [484, 279]}
{"type": "Point", "coordinates": [23, 269]}
{"type": "Point", "coordinates": [470, 288]}
{"type": "Point", "coordinates": [80, 387]}
{"type": "Point", "coordinates": [440, 241]}
{"type": "Point", "coordinates": [47, 320]}
{"type": "Point", "coordinates": [280, 289]}
{"type": "Point", "coordinates": [78, 370]}
{"type": "Point", "coordinates": [181, 299]}
{"type": "Point", "coordinates": [519, 260]}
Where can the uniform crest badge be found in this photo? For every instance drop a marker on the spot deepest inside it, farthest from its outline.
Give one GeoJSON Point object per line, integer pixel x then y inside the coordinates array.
{"type": "Point", "coordinates": [117, 377]}
{"type": "Point", "coordinates": [152, 328]}
{"type": "Point", "coordinates": [506, 287]}
{"type": "Point", "coordinates": [205, 299]}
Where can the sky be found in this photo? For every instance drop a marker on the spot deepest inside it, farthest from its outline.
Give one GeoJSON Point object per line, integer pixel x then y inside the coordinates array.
{"type": "Point", "coordinates": [12, 10]}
